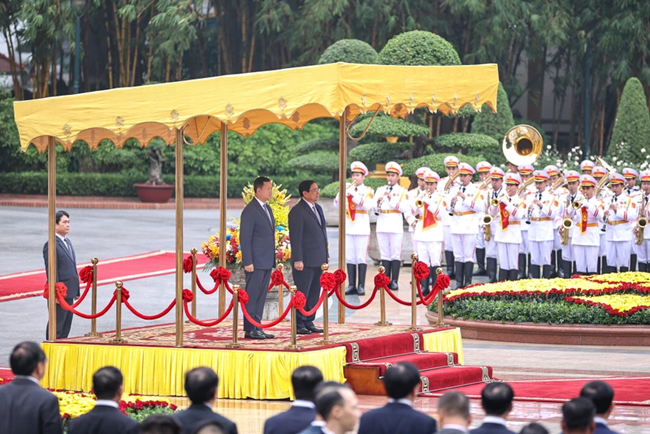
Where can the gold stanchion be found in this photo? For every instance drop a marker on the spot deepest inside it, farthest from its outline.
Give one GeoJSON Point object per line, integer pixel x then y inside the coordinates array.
{"type": "Point", "coordinates": [118, 315]}
{"type": "Point", "coordinates": [51, 237]}
{"type": "Point", "coordinates": [280, 268]}
{"type": "Point", "coordinates": [440, 313]}
{"type": "Point", "coordinates": [294, 326]}
{"type": "Point", "coordinates": [382, 303]}
{"type": "Point", "coordinates": [414, 294]}
{"type": "Point", "coordinates": [93, 307]}
{"type": "Point", "coordinates": [193, 252]}
{"type": "Point", "coordinates": [326, 313]}
{"type": "Point", "coordinates": [235, 317]}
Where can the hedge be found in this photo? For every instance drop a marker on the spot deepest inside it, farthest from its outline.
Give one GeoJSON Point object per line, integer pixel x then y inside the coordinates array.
{"type": "Point", "coordinates": [436, 163]}
{"type": "Point", "coordinates": [332, 189]}
{"type": "Point", "coordinates": [418, 48]}
{"type": "Point", "coordinates": [372, 154]}
{"type": "Point", "coordinates": [350, 51]}
{"type": "Point", "coordinates": [388, 126]}
{"type": "Point", "coordinates": [632, 127]}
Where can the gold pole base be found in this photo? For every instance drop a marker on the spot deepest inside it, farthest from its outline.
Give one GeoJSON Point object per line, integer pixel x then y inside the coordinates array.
{"type": "Point", "coordinates": [442, 324]}
{"type": "Point", "coordinates": [117, 341]}
{"type": "Point", "coordinates": [325, 342]}
{"type": "Point", "coordinates": [93, 334]}
{"type": "Point", "coordinates": [293, 347]}
{"type": "Point", "coordinates": [414, 329]}
{"type": "Point", "coordinates": [234, 345]}
{"type": "Point", "coordinates": [383, 323]}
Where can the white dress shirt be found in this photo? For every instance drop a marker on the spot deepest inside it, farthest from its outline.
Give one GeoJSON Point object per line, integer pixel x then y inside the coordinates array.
{"type": "Point", "coordinates": [107, 403]}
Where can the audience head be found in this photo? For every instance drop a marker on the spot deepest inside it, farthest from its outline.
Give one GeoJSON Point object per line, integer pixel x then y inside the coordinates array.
{"type": "Point", "coordinates": [601, 394]}
{"type": "Point", "coordinates": [338, 406]}
{"type": "Point", "coordinates": [201, 385]}
{"type": "Point", "coordinates": [62, 223]}
{"type": "Point", "coordinates": [305, 379]}
{"type": "Point", "coordinates": [209, 428]}
{"type": "Point", "coordinates": [496, 399]}
{"type": "Point", "coordinates": [107, 383]}
{"type": "Point", "coordinates": [534, 428]}
{"type": "Point", "coordinates": [160, 424]}
{"type": "Point", "coordinates": [578, 416]}
{"type": "Point", "coordinates": [401, 380]}
{"type": "Point", "coordinates": [263, 188]}
{"type": "Point", "coordinates": [27, 358]}
{"type": "Point", "coordinates": [453, 409]}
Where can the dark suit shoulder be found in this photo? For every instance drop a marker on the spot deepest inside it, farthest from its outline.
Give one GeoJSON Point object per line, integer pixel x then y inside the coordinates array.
{"type": "Point", "coordinates": [489, 428]}
{"type": "Point", "coordinates": [103, 420]}
{"type": "Point", "coordinates": [291, 421]}
{"type": "Point", "coordinates": [395, 417]}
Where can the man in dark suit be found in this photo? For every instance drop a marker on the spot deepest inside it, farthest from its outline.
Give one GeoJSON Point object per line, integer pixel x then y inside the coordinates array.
{"type": "Point", "coordinates": [309, 250]}
{"type": "Point", "coordinates": [578, 416]}
{"type": "Point", "coordinates": [496, 400]}
{"type": "Point", "coordinates": [602, 395]}
{"type": "Point", "coordinates": [105, 417]}
{"type": "Point", "coordinates": [257, 240]}
{"type": "Point", "coordinates": [453, 413]}
{"type": "Point", "coordinates": [402, 382]}
{"type": "Point", "coordinates": [66, 272]}
{"type": "Point", "coordinates": [25, 407]}
{"type": "Point", "coordinates": [159, 423]}
{"type": "Point", "coordinates": [302, 413]}
{"type": "Point", "coordinates": [201, 387]}
{"type": "Point", "coordinates": [338, 407]}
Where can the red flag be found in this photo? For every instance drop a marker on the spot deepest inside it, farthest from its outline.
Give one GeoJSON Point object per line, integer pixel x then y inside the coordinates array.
{"type": "Point", "coordinates": [428, 219]}
{"type": "Point", "coordinates": [583, 220]}
{"type": "Point", "coordinates": [351, 210]}
{"type": "Point", "coordinates": [504, 216]}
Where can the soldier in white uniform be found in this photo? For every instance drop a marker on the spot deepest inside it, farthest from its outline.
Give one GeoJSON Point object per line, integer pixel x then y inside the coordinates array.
{"type": "Point", "coordinates": [643, 251]}
{"type": "Point", "coordinates": [428, 227]}
{"type": "Point", "coordinates": [526, 172]}
{"type": "Point", "coordinates": [598, 172]}
{"type": "Point", "coordinates": [620, 213]}
{"type": "Point", "coordinates": [483, 170]}
{"type": "Point", "coordinates": [560, 193]}
{"type": "Point", "coordinates": [508, 213]}
{"type": "Point", "coordinates": [633, 193]}
{"type": "Point", "coordinates": [391, 202]}
{"type": "Point", "coordinates": [573, 195]}
{"type": "Point", "coordinates": [451, 167]}
{"type": "Point", "coordinates": [542, 209]}
{"type": "Point", "coordinates": [464, 206]}
{"type": "Point", "coordinates": [360, 200]}
{"type": "Point", "coordinates": [414, 194]}
{"type": "Point", "coordinates": [585, 238]}
{"type": "Point", "coordinates": [587, 166]}
{"type": "Point", "coordinates": [496, 190]}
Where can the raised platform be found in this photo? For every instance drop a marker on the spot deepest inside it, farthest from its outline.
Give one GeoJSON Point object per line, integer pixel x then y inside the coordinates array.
{"type": "Point", "coordinates": [260, 369]}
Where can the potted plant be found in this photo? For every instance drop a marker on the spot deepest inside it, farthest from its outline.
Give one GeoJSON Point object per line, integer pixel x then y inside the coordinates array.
{"type": "Point", "coordinates": [155, 190]}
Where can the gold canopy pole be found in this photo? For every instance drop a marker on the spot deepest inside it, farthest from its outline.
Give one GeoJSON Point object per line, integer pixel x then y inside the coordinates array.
{"type": "Point", "coordinates": [343, 153]}
{"type": "Point", "coordinates": [51, 235]}
{"type": "Point", "coordinates": [223, 198]}
{"type": "Point", "coordinates": [179, 237]}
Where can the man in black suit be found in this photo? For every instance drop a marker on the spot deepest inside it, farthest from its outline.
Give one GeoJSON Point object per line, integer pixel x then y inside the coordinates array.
{"type": "Point", "coordinates": [453, 413]}
{"type": "Point", "coordinates": [66, 272]}
{"type": "Point", "coordinates": [578, 416]}
{"type": "Point", "coordinates": [338, 407]}
{"type": "Point", "coordinates": [105, 417]}
{"type": "Point", "coordinates": [402, 382]}
{"type": "Point", "coordinates": [201, 387]}
{"type": "Point", "coordinates": [309, 250]}
{"type": "Point", "coordinates": [257, 240]}
{"type": "Point", "coordinates": [602, 395]}
{"type": "Point", "coordinates": [496, 400]}
{"type": "Point", "coordinates": [302, 413]}
{"type": "Point", "coordinates": [160, 424]}
{"type": "Point", "coordinates": [25, 407]}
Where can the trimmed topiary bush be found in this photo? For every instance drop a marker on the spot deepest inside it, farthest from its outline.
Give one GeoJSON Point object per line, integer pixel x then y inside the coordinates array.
{"type": "Point", "coordinates": [331, 189]}
{"type": "Point", "coordinates": [418, 48]}
{"type": "Point", "coordinates": [350, 51]}
{"type": "Point", "coordinates": [326, 144]}
{"type": "Point", "coordinates": [461, 143]}
{"type": "Point", "coordinates": [632, 128]}
{"type": "Point", "coordinates": [495, 125]}
{"type": "Point", "coordinates": [388, 126]}
{"type": "Point", "coordinates": [318, 161]}
{"type": "Point", "coordinates": [436, 163]}
{"type": "Point", "coordinates": [372, 154]}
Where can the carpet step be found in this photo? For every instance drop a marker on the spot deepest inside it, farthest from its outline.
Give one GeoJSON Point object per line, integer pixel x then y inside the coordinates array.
{"type": "Point", "coordinates": [422, 361]}
{"type": "Point", "coordinates": [456, 376]}
{"type": "Point", "coordinates": [384, 346]}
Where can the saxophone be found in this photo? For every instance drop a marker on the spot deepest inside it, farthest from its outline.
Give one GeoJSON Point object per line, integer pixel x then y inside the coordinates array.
{"type": "Point", "coordinates": [641, 223]}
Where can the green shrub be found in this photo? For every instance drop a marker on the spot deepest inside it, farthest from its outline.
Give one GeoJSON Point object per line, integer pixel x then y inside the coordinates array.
{"type": "Point", "coordinates": [332, 188]}
{"type": "Point", "coordinates": [326, 144]}
{"type": "Point", "coordinates": [388, 126]}
{"type": "Point", "coordinates": [495, 125]}
{"type": "Point", "coordinates": [632, 127]}
{"type": "Point", "coordinates": [350, 51]}
{"type": "Point", "coordinates": [418, 48]}
{"type": "Point", "coordinates": [462, 143]}
{"type": "Point", "coordinates": [372, 154]}
{"type": "Point", "coordinates": [318, 161]}
{"type": "Point", "coordinates": [436, 163]}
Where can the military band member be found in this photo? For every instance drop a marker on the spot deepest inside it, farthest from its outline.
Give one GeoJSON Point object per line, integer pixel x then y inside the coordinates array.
{"type": "Point", "coordinates": [414, 194]}
{"type": "Point", "coordinates": [360, 200]}
{"type": "Point", "coordinates": [599, 173]}
{"type": "Point", "coordinates": [451, 167]}
{"type": "Point", "coordinates": [496, 190]}
{"type": "Point", "coordinates": [392, 202]}
{"type": "Point", "coordinates": [585, 238]}
{"type": "Point", "coordinates": [643, 250]}
{"type": "Point", "coordinates": [632, 192]}
{"type": "Point", "coordinates": [526, 172]}
{"type": "Point", "coordinates": [542, 209]}
{"type": "Point", "coordinates": [573, 195]}
{"type": "Point", "coordinates": [510, 209]}
{"type": "Point", "coordinates": [587, 166]}
{"type": "Point", "coordinates": [464, 206]}
{"type": "Point", "coordinates": [620, 212]}
{"type": "Point", "coordinates": [483, 170]}
{"type": "Point", "coordinates": [512, 168]}
{"type": "Point", "coordinates": [559, 192]}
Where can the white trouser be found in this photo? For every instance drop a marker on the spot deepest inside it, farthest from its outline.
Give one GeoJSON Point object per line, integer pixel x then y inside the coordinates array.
{"type": "Point", "coordinates": [603, 244]}
{"type": "Point", "coordinates": [586, 258]}
{"type": "Point", "coordinates": [414, 243]}
{"type": "Point", "coordinates": [390, 245]}
{"type": "Point", "coordinates": [430, 252]}
{"type": "Point", "coordinates": [567, 253]}
{"type": "Point", "coordinates": [480, 239]}
{"type": "Point", "coordinates": [618, 253]}
{"type": "Point", "coordinates": [356, 249]}
{"type": "Point", "coordinates": [524, 247]}
{"type": "Point", "coordinates": [463, 247]}
{"type": "Point", "coordinates": [557, 241]}
{"type": "Point", "coordinates": [540, 252]}
{"type": "Point", "coordinates": [491, 248]}
{"type": "Point", "coordinates": [449, 245]}
{"type": "Point", "coordinates": [643, 252]}
{"type": "Point", "coordinates": [508, 256]}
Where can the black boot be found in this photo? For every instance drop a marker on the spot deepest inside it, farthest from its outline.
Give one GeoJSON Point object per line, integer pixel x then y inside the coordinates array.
{"type": "Point", "coordinates": [534, 271]}
{"type": "Point", "coordinates": [480, 261]}
{"type": "Point", "coordinates": [574, 269]}
{"type": "Point", "coordinates": [362, 279]}
{"type": "Point", "coordinates": [394, 274]}
{"type": "Point", "coordinates": [566, 269]}
{"type": "Point", "coordinates": [560, 264]}
{"type": "Point", "coordinates": [449, 259]}
{"type": "Point", "coordinates": [513, 274]}
{"type": "Point", "coordinates": [633, 261]}
{"type": "Point", "coordinates": [469, 270]}
{"type": "Point", "coordinates": [492, 269]}
{"type": "Point", "coordinates": [386, 265]}
{"type": "Point", "coordinates": [643, 267]}
{"type": "Point", "coordinates": [460, 277]}
{"type": "Point", "coordinates": [530, 273]}
{"type": "Point", "coordinates": [426, 288]}
{"type": "Point", "coordinates": [607, 268]}
{"type": "Point", "coordinates": [433, 277]}
{"type": "Point", "coordinates": [599, 267]}
{"type": "Point", "coordinates": [624, 269]}
{"type": "Point", "coordinates": [352, 279]}
{"type": "Point", "coordinates": [547, 270]}
{"type": "Point", "coordinates": [503, 275]}
{"type": "Point", "coordinates": [522, 266]}
{"type": "Point", "coordinates": [553, 265]}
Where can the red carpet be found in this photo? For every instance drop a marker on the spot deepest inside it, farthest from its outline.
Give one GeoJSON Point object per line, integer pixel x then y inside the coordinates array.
{"type": "Point", "coordinates": [627, 390]}
{"type": "Point", "coordinates": [5, 375]}
{"type": "Point", "coordinates": [157, 263]}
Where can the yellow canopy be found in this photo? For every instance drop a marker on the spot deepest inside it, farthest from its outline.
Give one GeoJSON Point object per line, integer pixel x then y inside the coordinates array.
{"type": "Point", "coordinates": [245, 102]}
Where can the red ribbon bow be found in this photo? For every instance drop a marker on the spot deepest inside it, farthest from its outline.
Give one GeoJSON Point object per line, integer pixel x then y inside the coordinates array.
{"type": "Point", "coordinates": [327, 281]}
{"type": "Point", "coordinates": [220, 274]}
{"type": "Point", "coordinates": [187, 264]}
{"type": "Point", "coordinates": [86, 274]}
{"type": "Point", "coordinates": [340, 276]}
{"type": "Point", "coordinates": [243, 296]}
{"type": "Point", "coordinates": [187, 295]}
{"type": "Point", "coordinates": [420, 270]}
{"type": "Point", "coordinates": [299, 300]}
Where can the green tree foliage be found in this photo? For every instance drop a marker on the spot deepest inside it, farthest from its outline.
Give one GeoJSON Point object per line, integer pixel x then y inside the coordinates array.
{"type": "Point", "coordinates": [495, 125]}
{"type": "Point", "coordinates": [372, 154]}
{"type": "Point", "coordinates": [436, 163]}
{"type": "Point", "coordinates": [350, 51]}
{"type": "Point", "coordinates": [464, 143]}
{"type": "Point", "coordinates": [332, 188]}
{"type": "Point", "coordinates": [418, 48]}
{"type": "Point", "coordinates": [632, 128]}
{"type": "Point", "coordinates": [388, 126]}
{"type": "Point", "coordinates": [318, 161]}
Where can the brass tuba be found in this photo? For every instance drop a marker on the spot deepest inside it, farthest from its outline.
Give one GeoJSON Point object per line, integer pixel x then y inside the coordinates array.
{"type": "Point", "coordinates": [523, 144]}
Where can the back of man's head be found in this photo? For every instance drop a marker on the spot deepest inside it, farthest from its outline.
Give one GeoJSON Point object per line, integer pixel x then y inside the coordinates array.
{"type": "Point", "coordinates": [328, 395]}
{"type": "Point", "coordinates": [304, 380]}
{"type": "Point", "coordinates": [601, 394]}
{"type": "Point", "coordinates": [160, 424]}
{"type": "Point", "coordinates": [209, 428]}
{"type": "Point", "coordinates": [496, 399]}
{"type": "Point", "coordinates": [454, 406]}
{"type": "Point", "coordinates": [578, 416]}
{"type": "Point", "coordinates": [533, 428]}
{"type": "Point", "coordinates": [25, 357]}
{"type": "Point", "coordinates": [401, 379]}
{"type": "Point", "coordinates": [201, 384]}
{"type": "Point", "coordinates": [107, 382]}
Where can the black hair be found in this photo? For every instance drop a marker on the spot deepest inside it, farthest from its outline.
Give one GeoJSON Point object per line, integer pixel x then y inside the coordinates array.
{"type": "Point", "coordinates": [401, 379]}
{"type": "Point", "coordinates": [160, 424]}
{"type": "Point", "coordinates": [305, 186]}
{"type": "Point", "coordinates": [326, 399]}
{"type": "Point", "coordinates": [201, 384]}
{"type": "Point", "coordinates": [259, 183]}
{"type": "Point", "coordinates": [578, 413]}
{"type": "Point", "coordinates": [25, 357]}
{"type": "Point", "coordinates": [496, 398]}
{"type": "Point", "coordinates": [304, 380]}
{"type": "Point", "coordinates": [209, 427]}
{"type": "Point", "coordinates": [106, 382]}
{"type": "Point", "coordinates": [454, 404]}
{"type": "Point", "coordinates": [600, 393]}
{"type": "Point", "coordinates": [59, 214]}
{"type": "Point", "coordinates": [534, 428]}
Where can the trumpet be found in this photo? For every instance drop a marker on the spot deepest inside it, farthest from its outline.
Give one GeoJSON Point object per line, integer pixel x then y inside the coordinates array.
{"type": "Point", "coordinates": [567, 223]}
{"type": "Point", "coordinates": [495, 202]}
{"type": "Point", "coordinates": [641, 223]}
{"type": "Point", "coordinates": [419, 202]}
{"type": "Point", "coordinates": [577, 205]}
{"type": "Point", "coordinates": [487, 230]}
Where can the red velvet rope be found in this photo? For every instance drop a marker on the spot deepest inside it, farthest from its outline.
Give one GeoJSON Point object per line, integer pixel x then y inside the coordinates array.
{"type": "Point", "coordinates": [78, 302]}
{"type": "Point", "coordinates": [315, 308]}
{"type": "Point", "coordinates": [399, 300]}
{"type": "Point", "coordinates": [66, 306]}
{"type": "Point", "coordinates": [188, 297]}
{"type": "Point", "coordinates": [125, 300]}
{"type": "Point", "coordinates": [361, 306]}
{"type": "Point", "coordinates": [272, 323]}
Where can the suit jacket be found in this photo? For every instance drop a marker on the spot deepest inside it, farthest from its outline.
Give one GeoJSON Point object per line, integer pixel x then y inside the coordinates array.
{"type": "Point", "coordinates": [396, 418]}
{"type": "Point", "coordinates": [66, 267]}
{"type": "Point", "coordinates": [257, 237]}
{"type": "Point", "coordinates": [491, 428]}
{"type": "Point", "coordinates": [450, 431]}
{"type": "Point", "coordinates": [104, 420]}
{"type": "Point", "coordinates": [292, 421]}
{"type": "Point", "coordinates": [197, 415]}
{"type": "Point", "coordinates": [25, 407]}
{"type": "Point", "coordinates": [312, 430]}
{"type": "Point", "coordinates": [308, 237]}
{"type": "Point", "coordinates": [601, 428]}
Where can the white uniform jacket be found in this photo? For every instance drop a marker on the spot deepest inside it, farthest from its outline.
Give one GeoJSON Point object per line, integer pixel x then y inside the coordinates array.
{"type": "Point", "coordinates": [389, 209]}
{"type": "Point", "coordinates": [568, 211]}
{"type": "Point", "coordinates": [542, 219]}
{"type": "Point", "coordinates": [466, 212]}
{"type": "Point", "coordinates": [586, 223]}
{"type": "Point", "coordinates": [362, 198]}
{"type": "Point", "coordinates": [446, 218]}
{"type": "Point", "coordinates": [436, 207]}
{"type": "Point", "coordinates": [619, 223]}
{"type": "Point", "coordinates": [506, 226]}
{"type": "Point", "coordinates": [414, 195]}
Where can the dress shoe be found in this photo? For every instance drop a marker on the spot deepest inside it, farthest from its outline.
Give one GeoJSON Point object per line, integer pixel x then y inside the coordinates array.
{"type": "Point", "coordinates": [268, 335]}
{"type": "Point", "coordinates": [255, 334]}
{"type": "Point", "coordinates": [315, 329]}
{"type": "Point", "coordinates": [303, 331]}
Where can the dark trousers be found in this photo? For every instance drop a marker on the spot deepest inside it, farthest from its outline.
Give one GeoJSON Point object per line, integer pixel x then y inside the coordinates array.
{"type": "Point", "coordinates": [63, 321]}
{"type": "Point", "coordinates": [308, 282]}
{"type": "Point", "coordinates": [257, 285]}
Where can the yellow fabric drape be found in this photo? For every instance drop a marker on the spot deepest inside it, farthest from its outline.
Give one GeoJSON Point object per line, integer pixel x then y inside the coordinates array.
{"type": "Point", "coordinates": [446, 341]}
{"type": "Point", "coordinates": [160, 371]}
